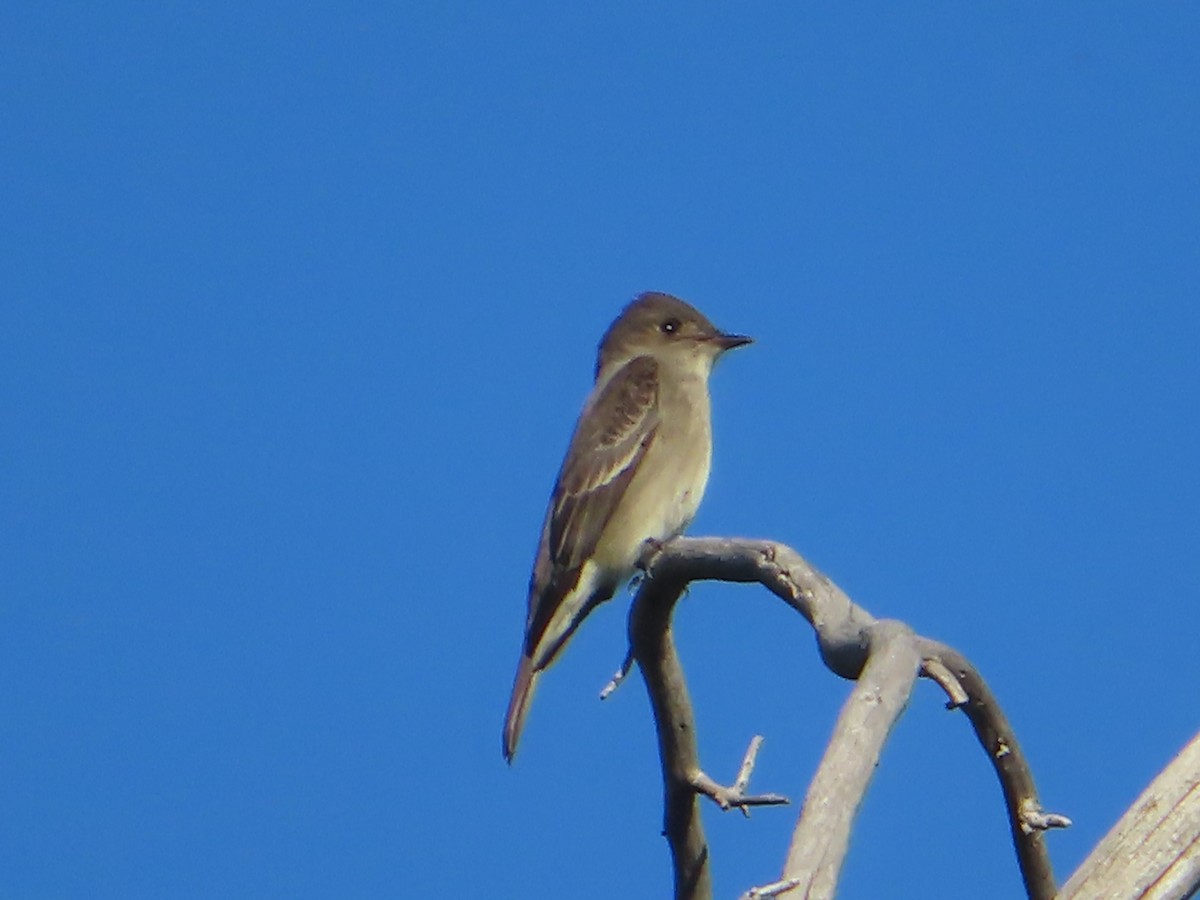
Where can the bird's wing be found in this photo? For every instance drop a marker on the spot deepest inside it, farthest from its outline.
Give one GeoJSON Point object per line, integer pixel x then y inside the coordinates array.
{"type": "Point", "coordinates": [615, 431]}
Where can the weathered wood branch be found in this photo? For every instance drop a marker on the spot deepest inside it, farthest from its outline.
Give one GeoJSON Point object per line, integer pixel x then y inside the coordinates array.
{"type": "Point", "coordinates": [884, 657]}
{"type": "Point", "coordinates": [1027, 821]}
{"type": "Point", "coordinates": [1154, 850]}
{"type": "Point", "coordinates": [735, 795]}
{"type": "Point", "coordinates": [822, 836]}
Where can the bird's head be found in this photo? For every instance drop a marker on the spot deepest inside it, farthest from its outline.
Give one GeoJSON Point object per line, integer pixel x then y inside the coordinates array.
{"type": "Point", "coordinates": [670, 330]}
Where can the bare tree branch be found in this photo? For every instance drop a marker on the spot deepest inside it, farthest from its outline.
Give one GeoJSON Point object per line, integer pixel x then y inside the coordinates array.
{"type": "Point", "coordinates": [1027, 821]}
{"type": "Point", "coordinates": [774, 889]}
{"type": "Point", "coordinates": [735, 795]}
{"type": "Point", "coordinates": [882, 656]}
{"type": "Point", "coordinates": [653, 647]}
{"type": "Point", "coordinates": [822, 836]}
{"type": "Point", "coordinates": [1154, 850]}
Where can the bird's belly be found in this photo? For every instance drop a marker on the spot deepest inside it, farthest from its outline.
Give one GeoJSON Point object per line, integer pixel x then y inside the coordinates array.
{"type": "Point", "coordinates": [659, 507]}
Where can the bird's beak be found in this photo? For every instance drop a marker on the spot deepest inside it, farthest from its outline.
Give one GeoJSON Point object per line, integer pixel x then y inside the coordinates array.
{"type": "Point", "coordinates": [729, 341]}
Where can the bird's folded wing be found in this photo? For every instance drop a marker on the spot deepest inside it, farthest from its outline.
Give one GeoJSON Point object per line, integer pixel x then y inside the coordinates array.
{"type": "Point", "coordinates": [612, 437]}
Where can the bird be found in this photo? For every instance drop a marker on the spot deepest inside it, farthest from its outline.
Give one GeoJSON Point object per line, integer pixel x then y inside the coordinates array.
{"type": "Point", "coordinates": [635, 471]}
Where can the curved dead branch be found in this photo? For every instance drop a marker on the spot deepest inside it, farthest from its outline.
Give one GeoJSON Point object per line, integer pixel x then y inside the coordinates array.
{"type": "Point", "coordinates": [883, 657]}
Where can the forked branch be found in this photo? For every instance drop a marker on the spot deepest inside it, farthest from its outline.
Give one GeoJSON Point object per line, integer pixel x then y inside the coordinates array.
{"type": "Point", "coordinates": [883, 657]}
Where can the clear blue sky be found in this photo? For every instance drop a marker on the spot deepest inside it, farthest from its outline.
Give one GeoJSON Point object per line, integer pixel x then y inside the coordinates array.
{"type": "Point", "coordinates": [299, 306]}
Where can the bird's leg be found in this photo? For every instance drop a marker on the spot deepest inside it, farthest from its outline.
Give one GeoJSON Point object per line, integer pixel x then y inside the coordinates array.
{"type": "Point", "coordinates": [651, 547]}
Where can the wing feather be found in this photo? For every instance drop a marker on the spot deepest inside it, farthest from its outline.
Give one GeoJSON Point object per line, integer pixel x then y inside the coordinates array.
{"type": "Point", "coordinates": [617, 427]}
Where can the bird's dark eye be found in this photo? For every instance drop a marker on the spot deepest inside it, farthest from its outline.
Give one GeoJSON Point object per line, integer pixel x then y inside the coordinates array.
{"type": "Point", "coordinates": [670, 326]}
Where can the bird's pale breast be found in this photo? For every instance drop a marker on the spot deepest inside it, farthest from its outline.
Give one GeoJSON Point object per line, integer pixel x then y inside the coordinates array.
{"type": "Point", "coordinates": [665, 493]}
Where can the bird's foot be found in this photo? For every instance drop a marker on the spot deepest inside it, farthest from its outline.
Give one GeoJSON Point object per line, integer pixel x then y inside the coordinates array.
{"type": "Point", "coordinates": [651, 547]}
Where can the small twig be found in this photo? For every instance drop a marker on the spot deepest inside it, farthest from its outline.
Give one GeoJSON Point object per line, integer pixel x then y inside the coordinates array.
{"type": "Point", "coordinates": [743, 777]}
{"type": "Point", "coordinates": [1033, 819]}
{"type": "Point", "coordinates": [730, 797]}
{"type": "Point", "coordinates": [933, 669]}
{"type": "Point", "coordinates": [618, 677]}
{"type": "Point", "coordinates": [735, 795]}
{"type": "Point", "coordinates": [774, 889]}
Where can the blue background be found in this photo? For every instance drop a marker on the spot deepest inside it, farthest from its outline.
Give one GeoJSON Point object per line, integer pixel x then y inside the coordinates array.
{"type": "Point", "coordinates": [299, 305]}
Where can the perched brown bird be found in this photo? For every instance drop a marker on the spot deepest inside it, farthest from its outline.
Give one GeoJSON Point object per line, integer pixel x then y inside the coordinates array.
{"type": "Point", "coordinates": [635, 471]}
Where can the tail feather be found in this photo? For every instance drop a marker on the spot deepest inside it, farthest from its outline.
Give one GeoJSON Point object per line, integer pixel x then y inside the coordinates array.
{"type": "Point", "coordinates": [566, 603]}
{"type": "Point", "coordinates": [518, 706]}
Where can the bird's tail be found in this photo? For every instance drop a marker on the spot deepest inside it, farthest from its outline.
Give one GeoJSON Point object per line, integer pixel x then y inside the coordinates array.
{"type": "Point", "coordinates": [518, 706]}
